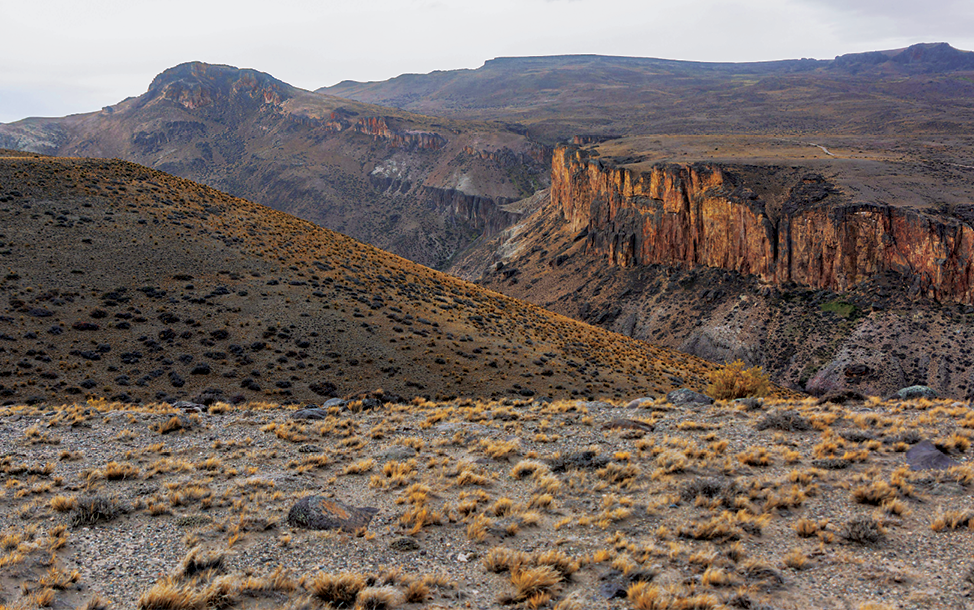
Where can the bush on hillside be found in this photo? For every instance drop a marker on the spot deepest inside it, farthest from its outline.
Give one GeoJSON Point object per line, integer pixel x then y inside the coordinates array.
{"type": "Point", "coordinates": [733, 380]}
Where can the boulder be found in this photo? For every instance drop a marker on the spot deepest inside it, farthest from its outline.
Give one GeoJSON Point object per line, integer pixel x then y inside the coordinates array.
{"type": "Point", "coordinates": [397, 453]}
{"type": "Point", "coordinates": [641, 403]}
{"type": "Point", "coordinates": [916, 391]}
{"type": "Point", "coordinates": [925, 456]}
{"type": "Point", "coordinates": [318, 513]}
{"type": "Point", "coordinates": [685, 396]}
{"type": "Point", "coordinates": [311, 413]}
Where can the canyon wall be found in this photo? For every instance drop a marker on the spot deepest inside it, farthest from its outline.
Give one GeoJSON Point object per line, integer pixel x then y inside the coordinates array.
{"type": "Point", "coordinates": [705, 214]}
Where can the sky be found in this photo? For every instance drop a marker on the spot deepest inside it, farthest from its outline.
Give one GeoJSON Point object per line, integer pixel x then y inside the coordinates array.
{"type": "Point", "coordinates": [70, 56]}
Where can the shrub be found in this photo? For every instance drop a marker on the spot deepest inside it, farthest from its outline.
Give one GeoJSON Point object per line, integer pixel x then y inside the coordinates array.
{"type": "Point", "coordinates": [733, 380]}
{"type": "Point", "coordinates": [863, 530]}
{"type": "Point", "coordinates": [93, 509]}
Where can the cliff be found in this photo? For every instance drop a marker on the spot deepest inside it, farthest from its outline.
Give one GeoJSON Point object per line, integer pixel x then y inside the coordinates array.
{"type": "Point", "coordinates": [705, 214]}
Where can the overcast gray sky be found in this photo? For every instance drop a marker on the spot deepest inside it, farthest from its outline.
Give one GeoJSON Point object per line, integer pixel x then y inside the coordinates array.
{"type": "Point", "coordinates": [68, 56]}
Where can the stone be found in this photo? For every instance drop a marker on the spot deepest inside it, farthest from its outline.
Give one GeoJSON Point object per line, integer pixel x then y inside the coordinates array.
{"type": "Point", "coordinates": [311, 413]}
{"type": "Point", "coordinates": [916, 391]}
{"type": "Point", "coordinates": [397, 453]}
{"type": "Point", "coordinates": [318, 513]}
{"type": "Point", "coordinates": [613, 584]}
{"type": "Point", "coordinates": [190, 407]}
{"type": "Point", "coordinates": [641, 403]}
{"type": "Point", "coordinates": [685, 396]}
{"type": "Point", "coordinates": [404, 544]}
{"type": "Point", "coordinates": [925, 456]}
{"type": "Point", "coordinates": [620, 423]}
{"type": "Point", "coordinates": [334, 402]}
{"type": "Point", "coordinates": [577, 461]}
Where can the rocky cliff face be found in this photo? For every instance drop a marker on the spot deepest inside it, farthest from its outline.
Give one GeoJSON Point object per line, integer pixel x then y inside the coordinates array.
{"type": "Point", "coordinates": [708, 215]}
{"type": "Point", "coordinates": [198, 85]}
{"type": "Point", "coordinates": [485, 215]}
{"type": "Point", "coordinates": [378, 128]}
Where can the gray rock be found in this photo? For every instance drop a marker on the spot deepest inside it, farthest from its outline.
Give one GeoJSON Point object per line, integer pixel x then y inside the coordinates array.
{"type": "Point", "coordinates": [404, 544]}
{"type": "Point", "coordinates": [578, 461]}
{"type": "Point", "coordinates": [310, 413]}
{"type": "Point", "coordinates": [926, 456]}
{"type": "Point", "coordinates": [641, 403]}
{"type": "Point", "coordinates": [190, 407]}
{"type": "Point", "coordinates": [613, 584]}
{"type": "Point", "coordinates": [620, 423]}
{"type": "Point", "coordinates": [318, 513]}
{"type": "Point", "coordinates": [397, 453]}
{"type": "Point", "coordinates": [685, 396]}
{"type": "Point", "coordinates": [334, 402]}
{"type": "Point", "coordinates": [916, 391]}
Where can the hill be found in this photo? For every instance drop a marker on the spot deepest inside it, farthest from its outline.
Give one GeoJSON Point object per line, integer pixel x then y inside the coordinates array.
{"type": "Point", "coordinates": [126, 283]}
{"type": "Point", "coordinates": [925, 88]}
{"type": "Point", "coordinates": [418, 186]}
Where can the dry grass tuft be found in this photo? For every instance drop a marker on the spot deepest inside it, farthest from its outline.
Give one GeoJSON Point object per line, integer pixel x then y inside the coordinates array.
{"type": "Point", "coordinates": [340, 591]}
{"type": "Point", "coordinates": [734, 380]}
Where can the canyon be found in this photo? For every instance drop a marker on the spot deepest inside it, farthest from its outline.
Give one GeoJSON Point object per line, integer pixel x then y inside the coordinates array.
{"type": "Point", "coordinates": [775, 253]}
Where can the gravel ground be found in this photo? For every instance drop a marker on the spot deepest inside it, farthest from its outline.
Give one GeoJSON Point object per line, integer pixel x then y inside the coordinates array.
{"type": "Point", "coordinates": [511, 474]}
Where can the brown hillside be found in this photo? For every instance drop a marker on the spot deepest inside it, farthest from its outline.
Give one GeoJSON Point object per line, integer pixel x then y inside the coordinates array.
{"type": "Point", "coordinates": [126, 283]}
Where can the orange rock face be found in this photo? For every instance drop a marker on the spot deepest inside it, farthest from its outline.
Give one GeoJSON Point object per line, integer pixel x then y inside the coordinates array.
{"type": "Point", "coordinates": [698, 214]}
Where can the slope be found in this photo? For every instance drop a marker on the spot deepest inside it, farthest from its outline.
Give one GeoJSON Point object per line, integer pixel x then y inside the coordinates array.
{"type": "Point", "coordinates": [127, 283]}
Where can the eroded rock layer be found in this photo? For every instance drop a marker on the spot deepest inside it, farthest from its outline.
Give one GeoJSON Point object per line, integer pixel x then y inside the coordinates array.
{"type": "Point", "coordinates": [710, 215]}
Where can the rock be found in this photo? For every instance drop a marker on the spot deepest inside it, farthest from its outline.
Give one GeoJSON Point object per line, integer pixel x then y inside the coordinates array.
{"type": "Point", "coordinates": [620, 423]}
{"type": "Point", "coordinates": [334, 402]}
{"type": "Point", "coordinates": [317, 513]}
{"type": "Point", "coordinates": [925, 456]}
{"type": "Point", "coordinates": [577, 461]}
{"type": "Point", "coordinates": [309, 449]}
{"type": "Point", "coordinates": [404, 544]}
{"type": "Point", "coordinates": [841, 398]}
{"type": "Point", "coordinates": [685, 396]}
{"type": "Point", "coordinates": [641, 403]}
{"type": "Point", "coordinates": [85, 326]}
{"type": "Point", "coordinates": [312, 413]}
{"type": "Point", "coordinates": [613, 584]}
{"type": "Point", "coordinates": [916, 391]}
{"type": "Point", "coordinates": [649, 206]}
{"type": "Point", "coordinates": [397, 453]}
{"type": "Point", "coordinates": [190, 407]}
{"type": "Point", "coordinates": [750, 403]}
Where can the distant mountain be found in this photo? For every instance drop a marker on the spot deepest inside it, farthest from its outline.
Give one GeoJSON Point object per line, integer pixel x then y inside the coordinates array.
{"type": "Point", "coordinates": [126, 283]}
{"type": "Point", "coordinates": [924, 88]}
{"type": "Point", "coordinates": [423, 188]}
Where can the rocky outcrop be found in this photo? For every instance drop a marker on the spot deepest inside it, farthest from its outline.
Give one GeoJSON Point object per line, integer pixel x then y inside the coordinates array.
{"type": "Point", "coordinates": [378, 128]}
{"type": "Point", "coordinates": [535, 154]}
{"type": "Point", "coordinates": [197, 85]}
{"type": "Point", "coordinates": [707, 215]}
{"type": "Point", "coordinates": [484, 214]}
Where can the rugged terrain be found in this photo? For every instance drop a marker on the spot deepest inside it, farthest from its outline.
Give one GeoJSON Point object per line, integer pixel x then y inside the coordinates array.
{"type": "Point", "coordinates": [483, 504]}
{"type": "Point", "coordinates": [418, 186]}
{"type": "Point", "coordinates": [130, 284]}
{"type": "Point", "coordinates": [924, 89]}
{"type": "Point", "coordinates": [839, 264]}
